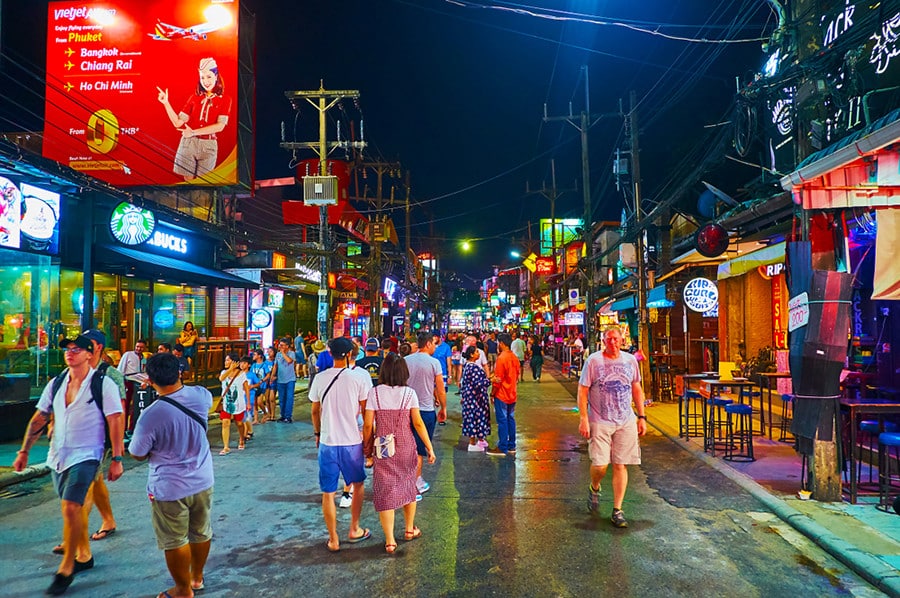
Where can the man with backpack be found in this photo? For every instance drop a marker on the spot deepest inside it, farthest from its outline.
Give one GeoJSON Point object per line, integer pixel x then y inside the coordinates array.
{"type": "Point", "coordinates": [89, 409]}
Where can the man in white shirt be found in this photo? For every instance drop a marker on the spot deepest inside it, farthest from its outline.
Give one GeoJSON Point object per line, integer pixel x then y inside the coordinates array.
{"type": "Point", "coordinates": [76, 448]}
{"type": "Point", "coordinates": [132, 366]}
{"type": "Point", "coordinates": [338, 397]}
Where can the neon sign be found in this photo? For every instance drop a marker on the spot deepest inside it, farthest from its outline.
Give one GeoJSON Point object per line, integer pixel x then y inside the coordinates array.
{"type": "Point", "coordinates": [886, 47]}
{"type": "Point", "coordinates": [130, 224]}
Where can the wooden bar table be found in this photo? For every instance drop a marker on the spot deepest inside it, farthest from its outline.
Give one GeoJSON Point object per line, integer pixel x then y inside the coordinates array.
{"type": "Point", "coordinates": [856, 408]}
{"type": "Point", "coordinates": [771, 379]}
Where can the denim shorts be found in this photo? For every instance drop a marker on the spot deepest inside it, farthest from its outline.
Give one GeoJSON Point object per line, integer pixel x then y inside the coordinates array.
{"type": "Point", "coordinates": [72, 484]}
{"type": "Point", "coordinates": [337, 461]}
{"type": "Point", "coordinates": [429, 418]}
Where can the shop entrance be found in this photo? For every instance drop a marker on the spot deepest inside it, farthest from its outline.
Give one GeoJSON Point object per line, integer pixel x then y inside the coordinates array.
{"type": "Point", "coordinates": [134, 322]}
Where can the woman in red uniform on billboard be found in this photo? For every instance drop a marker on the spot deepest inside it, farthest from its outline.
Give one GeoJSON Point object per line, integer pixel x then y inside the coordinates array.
{"type": "Point", "coordinates": [204, 114]}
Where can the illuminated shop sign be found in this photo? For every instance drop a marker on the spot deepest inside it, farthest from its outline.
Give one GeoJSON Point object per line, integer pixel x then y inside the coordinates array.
{"type": "Point", "coordinates": [127, 81]}
{"type": "Point", "coordinates": [29, 217]}
{"type": "Point", "coordinates": [130, 224]}
{"type": "Point", "coordinates": [701, 295]}
{"type": "Point", "coordinates": [769, 271]}
{"type": "Point", "coordinates": [260, 319]}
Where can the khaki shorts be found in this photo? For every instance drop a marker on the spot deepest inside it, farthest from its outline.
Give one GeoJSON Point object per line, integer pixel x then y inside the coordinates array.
{"type": "Point", "coordinates": [614, 443]}
{"type": "Point", "coordinates": [179, 522]}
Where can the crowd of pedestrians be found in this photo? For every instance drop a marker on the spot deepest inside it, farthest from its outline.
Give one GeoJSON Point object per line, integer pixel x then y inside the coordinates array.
{"type": "Point", "coordinates": [374, 405]}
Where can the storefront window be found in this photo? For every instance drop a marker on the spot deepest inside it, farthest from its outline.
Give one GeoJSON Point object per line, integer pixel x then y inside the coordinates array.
{"type": "Point", "coordinates": [173, 305]}
{"type": "Point", "coordinates": [230, 314]}
{"type": "Point", "coordinates": [30, 317]}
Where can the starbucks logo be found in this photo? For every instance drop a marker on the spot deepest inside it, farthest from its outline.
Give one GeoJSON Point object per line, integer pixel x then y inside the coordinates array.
{"type": "Point", "coordinates": [130, 224]}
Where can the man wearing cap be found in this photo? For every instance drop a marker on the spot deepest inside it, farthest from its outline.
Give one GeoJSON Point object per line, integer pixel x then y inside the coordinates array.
{"type": "Point", "coordinates": [76, 448]}
{"type": "Point", "coordinates": [372, 361]}
{"type": "Point", "coordinates": [338, 398]}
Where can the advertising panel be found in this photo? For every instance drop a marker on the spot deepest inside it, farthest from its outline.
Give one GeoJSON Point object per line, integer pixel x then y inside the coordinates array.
{"type": "Point", "coordinates": [29, 217]}
{"type": "Point", "coordinates": [144, 93]}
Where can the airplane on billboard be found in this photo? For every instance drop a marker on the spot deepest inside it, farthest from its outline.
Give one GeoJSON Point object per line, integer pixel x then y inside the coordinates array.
{"type": "Point", "coordinates": [165, 32]}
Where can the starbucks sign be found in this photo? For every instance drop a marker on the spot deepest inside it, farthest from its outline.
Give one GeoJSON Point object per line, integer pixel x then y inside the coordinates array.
{"type": "Point", "coordinates": [131, 224]}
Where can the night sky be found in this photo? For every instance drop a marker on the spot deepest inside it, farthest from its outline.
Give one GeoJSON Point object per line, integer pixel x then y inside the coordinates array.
{"type": "Point", "coordinates": [455, 92]}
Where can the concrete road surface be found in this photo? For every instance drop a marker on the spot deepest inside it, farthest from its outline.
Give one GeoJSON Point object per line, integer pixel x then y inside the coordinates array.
{"type": "Point", "coordinates": [493, 526]}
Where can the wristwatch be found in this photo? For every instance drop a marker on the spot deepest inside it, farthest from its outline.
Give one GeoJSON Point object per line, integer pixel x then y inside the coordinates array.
{"type": "Point", "coordinates": [642, 417]}
{"type": "Point", "coordinates": [117, 459]}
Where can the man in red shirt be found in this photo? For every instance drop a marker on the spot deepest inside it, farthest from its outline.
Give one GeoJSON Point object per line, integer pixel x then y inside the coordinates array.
{"type": "Point", "coordinates": [505, 379]}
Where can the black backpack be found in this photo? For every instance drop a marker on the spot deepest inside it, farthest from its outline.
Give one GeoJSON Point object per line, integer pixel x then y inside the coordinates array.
{"type": "Point", "coordinates": [96, 394]}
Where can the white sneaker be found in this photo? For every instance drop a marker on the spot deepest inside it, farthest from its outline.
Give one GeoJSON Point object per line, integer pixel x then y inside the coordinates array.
{"type": "Point", "coordinates": [483, 444]}
{"type": "Point", "coordinates": [422, 486]}
{"type": "Point", "coordinates": [346, 501]}
{"type": "Point", "coordinates": [476, 448]}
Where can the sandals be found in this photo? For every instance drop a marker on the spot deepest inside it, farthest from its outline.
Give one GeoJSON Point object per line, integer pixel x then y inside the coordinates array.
{"type": "Point", "coordinates": [390, 548]}
{"type": "Point", "coordinates": [414, 534]}
{"type": "Point", "coordinates": [241, 446]}
{"type": "Point", "coordinates": [225, 451]}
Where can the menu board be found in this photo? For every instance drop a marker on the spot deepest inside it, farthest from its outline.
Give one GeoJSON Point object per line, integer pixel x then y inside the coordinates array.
{"type": "Point", "coordinates": [29, 217]}
{"type": "Point", "coordinates": [144, 93]}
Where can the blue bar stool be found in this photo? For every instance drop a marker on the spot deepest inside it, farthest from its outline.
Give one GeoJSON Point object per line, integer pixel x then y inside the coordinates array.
{"type": "Point", "coordinates": [888, 461]}
{"type": "Point", "coordinates": [866, 440]}
{"type": "Point", "coordinates": [716, 424]}
{"type": "Point", "coordinates": [739, 433]}
{"type": "Point", "coordinates": [787, 418]}
{"type": "Point", "coordinates": [690, 414]}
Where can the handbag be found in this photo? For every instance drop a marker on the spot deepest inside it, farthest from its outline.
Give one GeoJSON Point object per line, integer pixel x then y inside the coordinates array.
{"type": "Point", "coordinates": [385, 446]}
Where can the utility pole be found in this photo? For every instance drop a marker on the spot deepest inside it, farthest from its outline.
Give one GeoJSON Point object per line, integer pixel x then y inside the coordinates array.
{"type": "Point", "coordinates": [585, 122]}
{"type": "Point", "coordinates": [323, 100]}
{"type": "Point", "coordinates": [643, 316]}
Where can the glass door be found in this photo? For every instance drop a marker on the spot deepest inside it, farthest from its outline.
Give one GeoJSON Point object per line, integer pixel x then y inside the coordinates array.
{"type": "Point", "coordinates": [135, 319]}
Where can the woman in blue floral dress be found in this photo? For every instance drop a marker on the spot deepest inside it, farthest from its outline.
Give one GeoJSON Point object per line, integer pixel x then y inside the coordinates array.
{"type": "Point", "coordinates": [476, 405]}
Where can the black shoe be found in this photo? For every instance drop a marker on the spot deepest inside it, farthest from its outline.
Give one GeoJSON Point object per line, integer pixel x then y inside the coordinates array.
{"type": "Point", "coordinates": [79, 566]}
{"type": "Point", "coordinates": [60, 584]}
{"type": "Point", "coordinates": [288, 421]}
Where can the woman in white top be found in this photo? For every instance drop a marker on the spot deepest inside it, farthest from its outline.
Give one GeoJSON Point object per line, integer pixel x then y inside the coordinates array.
{"type": "Point", "coordinates": [234, 403]}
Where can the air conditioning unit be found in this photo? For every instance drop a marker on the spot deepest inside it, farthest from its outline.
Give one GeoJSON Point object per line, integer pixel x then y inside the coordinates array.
{"type": "Point", "coordinates": [320, 190]}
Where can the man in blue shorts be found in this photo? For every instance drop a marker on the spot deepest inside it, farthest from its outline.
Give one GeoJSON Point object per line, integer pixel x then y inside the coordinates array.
{"type": "Point", "coordinates": [338, 397]}
{"type": "Point", "coordinates": [76, 448]}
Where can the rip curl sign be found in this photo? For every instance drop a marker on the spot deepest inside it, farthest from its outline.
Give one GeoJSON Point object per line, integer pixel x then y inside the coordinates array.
{"type": "Point", "coordinates": [131, 224]}
{"type": "Point", "coordinates": [701, 295]}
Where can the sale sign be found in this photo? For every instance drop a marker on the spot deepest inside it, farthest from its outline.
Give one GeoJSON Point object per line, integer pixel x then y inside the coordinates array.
{"type": "Point", "coordinates": [779, 313]}
{"type": "Point", "coordinates": [144, 92]}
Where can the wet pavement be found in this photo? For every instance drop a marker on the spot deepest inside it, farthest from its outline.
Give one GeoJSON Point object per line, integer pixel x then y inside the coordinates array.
{"type": "Point", "coordinates": [511, 526]}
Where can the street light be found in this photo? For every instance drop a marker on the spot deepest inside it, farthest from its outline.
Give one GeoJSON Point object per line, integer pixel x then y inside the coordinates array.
{"type": "Point", "coordinates": [466, 246]}
{"type": "Point", "coordinates": [515, 254]}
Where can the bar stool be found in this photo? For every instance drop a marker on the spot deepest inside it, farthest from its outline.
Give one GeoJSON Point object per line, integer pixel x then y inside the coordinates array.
{"type": "Point", "coordinates": [666, 391]}
{"type": "Point", "coordinates": [869, 429]}
{"type": "Point", "coordinates": [750, 395]}
{"type": "Point", "coordinates": [690, 414]}
{"type": "Point", "coordinates": [888, 479]}
{"type": "Point", "coordinates": [787, 418]}
{"type": "Point", "coordinates": [716, 424]}
{"type": "Point", "coordinates": [739, 433]}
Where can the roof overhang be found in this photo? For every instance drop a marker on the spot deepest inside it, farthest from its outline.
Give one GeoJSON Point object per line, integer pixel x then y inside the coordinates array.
{"type": "Point", "coordinates": [859, 171]}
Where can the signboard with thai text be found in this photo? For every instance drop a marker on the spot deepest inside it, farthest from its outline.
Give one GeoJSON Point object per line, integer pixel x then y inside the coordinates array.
{"type": "Point", "coordinates": [798, 312]}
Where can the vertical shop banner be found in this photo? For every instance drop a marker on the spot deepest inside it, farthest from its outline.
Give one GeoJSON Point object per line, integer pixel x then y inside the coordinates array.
{"type": "Point", "coordinates": [121, 77]}
{"type": "Point", "coordinates": [779, 313]}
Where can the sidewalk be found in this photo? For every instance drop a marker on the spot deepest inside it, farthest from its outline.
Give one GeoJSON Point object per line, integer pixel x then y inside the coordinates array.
{"type": "Point", "coordinates": [862, 537]}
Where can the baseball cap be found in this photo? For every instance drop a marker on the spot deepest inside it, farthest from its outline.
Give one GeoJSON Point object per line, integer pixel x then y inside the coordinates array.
{"type": "Point", "coordinates": [95, 335]}
{"type": "Point", "coordinates": [80, 341]}
{"type": "Point", "coordinates": [372, 344]}
{"type": "Point", "coordinates": [340, 346]}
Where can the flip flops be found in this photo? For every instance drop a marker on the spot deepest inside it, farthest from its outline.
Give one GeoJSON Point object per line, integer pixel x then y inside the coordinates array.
{"type": "Point", "coordinates": [225, 451]}
{"type": "Point", "coordinates": [102, 534]}
{"type": "Point", "coordinates": [330, 549]}
{"type": "Point", "coordinates": [365, 536]}
{"type": "Point", "coordinates": [390, 548]}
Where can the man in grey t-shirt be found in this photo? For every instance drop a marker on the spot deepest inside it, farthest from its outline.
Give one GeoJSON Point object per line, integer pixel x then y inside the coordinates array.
{"type": "Point", "coordinates": [180, 478]}
{"type": "Point", "coordinates": [426, 378]}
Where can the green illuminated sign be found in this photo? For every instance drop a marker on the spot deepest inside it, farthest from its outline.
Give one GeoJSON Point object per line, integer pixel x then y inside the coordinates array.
{"type": "Point", "coordinates": [131, 224]}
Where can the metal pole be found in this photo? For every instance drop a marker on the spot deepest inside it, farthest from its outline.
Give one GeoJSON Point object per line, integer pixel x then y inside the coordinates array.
{"type": "Point", "coordinates": [643, 316]}
{"type": "Point", "coordinates": [587, 227]}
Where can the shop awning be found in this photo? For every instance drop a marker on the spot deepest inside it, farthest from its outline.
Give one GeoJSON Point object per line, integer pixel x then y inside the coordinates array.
{"type": "Point", "coordinates": [839, 176]}
{"type": "Point", "coordinates": [656, 297]}
{"type": "Point", "coordinates": [774, 254]}
{"type": "Point", "coordinates": [622, 304]}
{"type": "Point", "coordinates": [152, 266]}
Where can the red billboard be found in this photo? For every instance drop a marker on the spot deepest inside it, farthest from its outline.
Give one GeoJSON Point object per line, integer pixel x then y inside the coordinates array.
{"type": "Point", "coordinates": [144, 92]}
